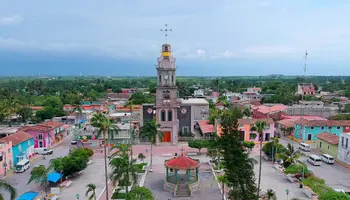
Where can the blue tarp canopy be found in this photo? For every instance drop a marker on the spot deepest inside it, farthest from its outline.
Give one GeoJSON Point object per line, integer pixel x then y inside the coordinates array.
{"type": "Point", "coordinates": [54, 177]}
{"type": "Point", "coordinates": [82, 121]}
{"type": "Point", "coordinates": [28, 196]}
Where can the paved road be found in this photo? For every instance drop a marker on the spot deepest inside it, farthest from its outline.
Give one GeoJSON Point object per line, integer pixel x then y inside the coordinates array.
{"type": "Point", "coordinates": [335, 175]}
{"type": "Point", "coordinates": [19, 180]}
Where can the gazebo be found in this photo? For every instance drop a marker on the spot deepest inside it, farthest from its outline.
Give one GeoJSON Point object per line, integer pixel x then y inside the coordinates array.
{"type": "Point", "coordinates": [187, 179]}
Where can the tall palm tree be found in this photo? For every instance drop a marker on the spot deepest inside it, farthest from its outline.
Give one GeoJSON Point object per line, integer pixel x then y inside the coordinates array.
{"type": "Point", "coordinates": [7, 187]}
{"type": "Point", "coordinates": [111, 130]}
{"type": "Point", "coordinates": [39, 174]}
{"type": "Point", "coordinates": [151, 130]}
{"type": "Point", "coordinates": [130, 104]}
{"type": "Point", "coordinates": [91, 189]}
{"type": "Point", "coordinates": [100, 121]}
{"type": "Point", "coordinates": [259, 127]}
{"type": "Point", "coordinates": [121, 150]}
{"type": "Point", "coordinates": [123, 170]}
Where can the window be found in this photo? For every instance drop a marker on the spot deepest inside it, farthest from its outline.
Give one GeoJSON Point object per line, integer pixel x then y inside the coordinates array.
{"type": "Point", "coordinates": [185, 129]}
{"type": "Point", "coordinates": [9, 150]}
{"type": "Point", "coordinates": [338, 127]}
{"type": "Point", "coordinates": [241, 125]}
{"type": "Point", "coordinates": [162, 115]}
{"type": "Point", "coordinates": [172, 79]}
{"type": "Point", "coordinates": [322, 127]}
{"type": "Point", "coordinates": [342, 141]}
{"type": "Point", "coordinates": [160, 78]}
{"type": "Point", "coordinates": [20, 148]}
{"type": "Point", "coordinates": [312, 127]}
{"type": "Point", "coordinates": [29, 143]}
{"type": "Point", "coordinates": [328, 147]}
{"type": "Point", "coordinates": [40, 136]}
{"type": "Point", "coordinates": [170, 115]}
{"type": "Point", "coordinates": [346, 143]}
{"type": "Point", "coordinates": [320, 145]}
{"type": "Point", "coordinates": [330, 127]}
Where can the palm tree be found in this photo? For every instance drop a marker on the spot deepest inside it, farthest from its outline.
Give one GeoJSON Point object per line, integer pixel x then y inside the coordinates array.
{"type": "Point", "coordinates": [130, 104]}
{"type": "Point", "coordinates": [7, 187]}
{"type": "Point", "coordinates": [271, 195]}
{"type": "Point", "coordinates": [259, 127]}
{"type": "Point", "coordinates": [290, 156]}
{"type": "Point", "coordinates": [111, 130]}
{"type": "Point", "coordinates": [39, 174]}
{"type": "Point", "coordinates": [151, 130]}
{"type": "Point", "coordinates": [100, 121]}
{"type": "Point", "coordinates": [123, 169]}
{"type": "Point", "coordinates": [91, 188]}
{"type": "Point", "coordinates": [121, 150]}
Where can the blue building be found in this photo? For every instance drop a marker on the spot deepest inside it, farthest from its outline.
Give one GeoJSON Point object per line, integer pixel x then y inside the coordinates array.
{"type": "Point", "coordinates": [314, 127]}
{"type": "Point", "coordinates": [22, 146]}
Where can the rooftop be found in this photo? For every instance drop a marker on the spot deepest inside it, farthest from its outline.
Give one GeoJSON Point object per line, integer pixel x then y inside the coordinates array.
{"type": "Point", "coordinates": [193, 101]}
{"type": "Point", "coordinates": [286, 122]}
{"type": "Point", "coordinates": [205, 127]}
{"type": "Point", "coordinates": [182, 163]}
{"type": "Point", "coordinates": [328, 137]}
{"type": "Point", "coordinates": [275, 108]}
{"type": "Point", "coordinates": [308, 117]}
{"type": "Point", "coordinates": [51, 124]}
{"type": "Point", "coordinates": [253, 121]}
{"type": "Point", "coordinates": [17, 138]}
{"type": "Point", "coordinates": [8, 130]}
{"type": "Point", "coordinates": [323, 122]}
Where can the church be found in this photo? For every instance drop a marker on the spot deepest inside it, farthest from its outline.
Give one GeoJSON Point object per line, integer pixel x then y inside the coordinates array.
{"type": "Point", "coordinates": [174, 115]}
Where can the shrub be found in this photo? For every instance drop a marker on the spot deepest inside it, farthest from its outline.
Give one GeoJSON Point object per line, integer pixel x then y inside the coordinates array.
{"type": "Point", "coordinates": [119, 195]}
{"type": "Point", "coordinates": [249, 144]}
{"type": "Point", "coordinates": [90, 152]}
{"type": "Point", "coordinates": [139, 167]}
{"type": "Point", "coordinates": [334, 195]}
{"type": "Point", "coordinates": [278, 148]}
{"type": "Point", "coordinates": [297, 169]}
{"type": "Point", "coordinates": [140, 193]}
{"type": "Point", "coordinates": [317, 185]}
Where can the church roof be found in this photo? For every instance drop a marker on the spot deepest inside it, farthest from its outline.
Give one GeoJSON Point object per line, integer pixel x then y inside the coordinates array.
{"type": "Point", "coordinates": [182, 163]}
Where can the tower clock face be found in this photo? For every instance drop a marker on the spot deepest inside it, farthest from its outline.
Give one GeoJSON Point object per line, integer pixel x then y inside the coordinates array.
{"type": "Point", "coordinates": [166, 77]}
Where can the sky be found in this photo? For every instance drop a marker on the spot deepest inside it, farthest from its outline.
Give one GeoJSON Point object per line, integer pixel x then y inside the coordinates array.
{"type": "Point", "coordinates": [209, 38]}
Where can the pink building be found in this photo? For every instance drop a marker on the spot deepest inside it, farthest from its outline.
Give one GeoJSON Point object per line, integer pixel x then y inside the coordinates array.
{"type": "Point", "coordinates": [6, 161]}
{"type": "Point", "coordinates": [46, 134]}
{"type": "Point", "coordinates": [306, 89]}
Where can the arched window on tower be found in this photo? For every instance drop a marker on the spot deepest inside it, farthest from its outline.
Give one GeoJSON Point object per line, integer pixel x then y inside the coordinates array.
{"type": "Point", "coordinates": [162, 115]}
{"type": "Point", "coordinates": [170, 115]}
{"type": "Point", "coordinates": [166, 49]}
{"type": "Point", "coordinates": [160, 79]}
{"type": "Point", "coordinates": [172, 79]}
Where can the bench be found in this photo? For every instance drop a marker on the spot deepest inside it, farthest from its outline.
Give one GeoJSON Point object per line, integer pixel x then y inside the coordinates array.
{"type": "Point", "coordinates": [167, 155]}
{"type": "Point", "coordinates": [192, 154]}
{"type": "Point", "coordinates": [90, 161]}
{"type": "Point", "coordinates": [68, 184]}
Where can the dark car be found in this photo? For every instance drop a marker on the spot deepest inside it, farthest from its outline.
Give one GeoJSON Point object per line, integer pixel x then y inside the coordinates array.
{"type": "Point", "coordinates": [73, 142]}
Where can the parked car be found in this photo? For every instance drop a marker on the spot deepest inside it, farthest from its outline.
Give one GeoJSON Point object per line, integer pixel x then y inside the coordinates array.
{"type": "Point", "coordinates": [43, 151]}
{"type": "Point", "coordinates": [73, 142]}
{"type": "Point", "coordinates": [304, 147]}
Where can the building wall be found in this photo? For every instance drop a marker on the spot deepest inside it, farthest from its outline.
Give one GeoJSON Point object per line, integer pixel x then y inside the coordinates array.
{"type": "Point", "coordinates": [200, 112]}
{"type": "Point", "coordinates": [325, 112]}
{"type": "Point", "coordinates": [246, 128]}
{"type": "Point", "coordinates": [7, 157]}
{"type": "Point", "coordinates": [327, 148]}
{"type": "Point", "coordinates": [315, 131]}
{"type": "Point", "coordinates": [46, 141]}
{"type": "Point", "coordinates": [185, 120]}
{"type": "Point", "coordinates": [144, 115]}
{"type": "Point", "coordinates": [26, 147]}
{"type": "Point", "coordinates": [344, 148]}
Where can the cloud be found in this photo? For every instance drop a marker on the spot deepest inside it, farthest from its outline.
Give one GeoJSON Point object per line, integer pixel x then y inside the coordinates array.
{"type": "Point", "coordinates": [269, 50]}
{"type": "Point", "coordinates": [200, 52]}
{"type": "Point", "coordinates": [16, 19]}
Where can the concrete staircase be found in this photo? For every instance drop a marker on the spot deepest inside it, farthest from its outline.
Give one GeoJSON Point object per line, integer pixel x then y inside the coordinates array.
{"type": "Point", "coordinates": [183, 190]}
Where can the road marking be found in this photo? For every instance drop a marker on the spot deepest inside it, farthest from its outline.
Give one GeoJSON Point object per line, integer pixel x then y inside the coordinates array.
{"type": "Point", "coordinates": [99, 196]}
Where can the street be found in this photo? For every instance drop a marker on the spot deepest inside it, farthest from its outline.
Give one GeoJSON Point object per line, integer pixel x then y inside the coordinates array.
{"type": "Point", "coordinates": [335, 175]}
{"type": "Point", "coordinates": [20, 180]}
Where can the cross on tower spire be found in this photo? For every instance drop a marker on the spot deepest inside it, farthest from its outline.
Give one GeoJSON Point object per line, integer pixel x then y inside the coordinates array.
{"type": "Point", "coordinates": [166, 32]}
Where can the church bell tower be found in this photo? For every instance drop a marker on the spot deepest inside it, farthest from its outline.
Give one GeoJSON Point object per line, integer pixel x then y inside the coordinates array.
{"type": "Point", "coordinates": [167, 103]}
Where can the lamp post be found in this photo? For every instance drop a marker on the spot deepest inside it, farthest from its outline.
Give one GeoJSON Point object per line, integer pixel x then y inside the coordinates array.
{"type": "Point", "coordinates": [287, 192]}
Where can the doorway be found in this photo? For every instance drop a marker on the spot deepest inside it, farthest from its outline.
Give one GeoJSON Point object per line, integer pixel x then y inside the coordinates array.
{"type": "Point", "coordinates": [41, 144]}
{"type": "Point", "coordinates": [166, 136]}
{"type": "Point", "coordinates": [309, 136]}
{"type": "Point", "coordinates": [267, 136]}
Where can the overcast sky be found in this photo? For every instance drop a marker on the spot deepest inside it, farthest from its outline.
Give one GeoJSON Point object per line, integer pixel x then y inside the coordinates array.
{"type": "Point", "coordinates": [225, 37]}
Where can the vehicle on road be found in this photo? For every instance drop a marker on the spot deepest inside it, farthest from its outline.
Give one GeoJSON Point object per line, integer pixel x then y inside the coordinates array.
{"type": "Point", "coordinates": [22, 166]}
{"type": "Point", "coordinates": [304, 147]}
{"type": "Point", "coordinates": [73, 142]}
{"type": "Point", "coordinates": [43, 151]}
{"type": "Point", "coordinates": [314, 159]}
{"type": "Point", "coordinates": [327, 158]}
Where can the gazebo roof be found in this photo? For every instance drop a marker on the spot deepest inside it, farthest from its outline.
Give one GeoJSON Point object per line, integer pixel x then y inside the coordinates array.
{"type": "Point", "coordinates": [182, 163]}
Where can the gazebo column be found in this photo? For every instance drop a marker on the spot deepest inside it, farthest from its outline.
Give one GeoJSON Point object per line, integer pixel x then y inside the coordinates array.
{"type": "Point", "coordinates": [167, 173]}
{"type": "Point", "coordinates": [189, 175]}
{"type": "Point", "coordinates": [197, 173]}
{"type": "Point", "coordinates": [176, 174]}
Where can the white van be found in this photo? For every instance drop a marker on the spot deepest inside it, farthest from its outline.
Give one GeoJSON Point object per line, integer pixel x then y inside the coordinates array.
{"type": "Point", "coordinates": [314, 159]}
{"type": "Point", "coordinates": [327, 158]}
{"type": "Point", "coordinates": [22, 165]}
{"type": "Point", "coordinates": [43, 151]}
{"type": "Point", "coordinates": [304, 147]}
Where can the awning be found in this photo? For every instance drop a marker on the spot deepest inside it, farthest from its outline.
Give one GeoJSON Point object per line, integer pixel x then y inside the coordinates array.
{"type": "Point", "coordinates": [28, 196]}
{"type": "Point", "coordinates": [54, 177]}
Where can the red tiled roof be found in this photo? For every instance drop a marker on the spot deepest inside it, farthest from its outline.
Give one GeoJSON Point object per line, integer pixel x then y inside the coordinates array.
{"type": "Point", "coordinates": [304, 117]}
{"type": "Point", "coordinates": [51, 124]}
{"type": "Point", "coordinates": [36, 107]}
{"type": "Point", "coordinates": [328, 137]}
{"type": "Point", "coordinates": [119, 95]}
{"type": "Point", "coordinates": [323, 122]}
{"type": "Point", "coordinates": [205, 127]}
{"type": "Point", "coordinates": [286, 122]}
{"type": "Point", "coordinates": [17, 138]}
{"type": "Point", "coordinates": [182, 162]}
{"type": "Point", "coordinates": [275, 108]}
{"type": "Point", "coordinates": [253, 121]}
{"type": "Point", "coordinates": [36, 128]}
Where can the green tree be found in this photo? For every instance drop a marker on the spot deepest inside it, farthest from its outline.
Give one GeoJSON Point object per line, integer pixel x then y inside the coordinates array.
{"type": "Point", "coordinates": [246, 112]}
{"type": "Point", "coordinates": [101, 122]}
{"type": "Point", "coordinates": [287, 131]}
{"type": "Point", "coordinates": [289, 156]}
{"type": "Point", "coordinates": [271, 195]}
{"type": "Point", "coordinates": [141, 156]}
{"type": "Point", "coordinates": [198, 144]}
{"type": "Point", "coordinates": [259, 127]}
{"type": "Point", "coordinates": [91, 191]}
{"type": "Point", "coordinates": [8, 188]}
{"type": "Point", "coordinates": [123, 170]}
{"type": "Point", "coordinates": [333, 195]}
{"type": "Point", "coordinates": [223, 180]}
{"type": "Point", "coordinates": [139, 98]}
{"type": "Point", "coordinates": [25, 113]}
{"type": "Point", "coordinates": [151, 131]}
{"type": "Point", "coordinates": [39, 174]}
{"type": "Point", "coordinates": [120, 150]}
{"type": "Point", "coordinates": [238, 167]}
{"type": "Point", "coordinates": [140, 193]}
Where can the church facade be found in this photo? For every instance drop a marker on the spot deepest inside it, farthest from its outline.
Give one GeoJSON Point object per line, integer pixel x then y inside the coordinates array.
{"type": "Point", "coordinates": [174, 117]}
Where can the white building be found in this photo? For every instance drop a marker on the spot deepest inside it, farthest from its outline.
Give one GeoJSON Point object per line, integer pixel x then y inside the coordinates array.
{"type": "Point", "coordinates": [198, 92]}
{"type": "Point", "coordinates": [344, 148]}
